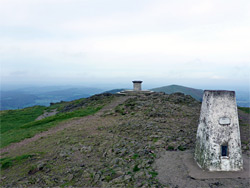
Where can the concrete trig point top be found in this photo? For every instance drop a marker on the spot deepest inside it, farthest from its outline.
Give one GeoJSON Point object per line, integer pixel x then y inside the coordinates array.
{"type": "Point", "coordinates": [136, 91]}
{"type": "Point", "coordinates": [137, 85]}
{"type": "Point", "coordinates": [218, 145]}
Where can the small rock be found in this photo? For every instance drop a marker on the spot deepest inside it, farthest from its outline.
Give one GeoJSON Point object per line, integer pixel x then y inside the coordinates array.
{"type": "Point", "coordinates": [159, 143]}
{"type": "Point", "coordinates": [127, 177]}
{"type": "Point", "coordinates": [139, 174]}
{"type": "Point", "coordinates": [41, 165]}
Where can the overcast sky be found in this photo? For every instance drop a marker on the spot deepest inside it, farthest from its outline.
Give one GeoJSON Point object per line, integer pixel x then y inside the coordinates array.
{"type": "Point", "coordinates": [198, 43]}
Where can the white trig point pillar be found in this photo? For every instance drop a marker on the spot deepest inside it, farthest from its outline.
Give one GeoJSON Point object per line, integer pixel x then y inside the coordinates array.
{"type": "Point", "coordinates": [218, 145]}
{"type": "Point", "coordinates": [137, 85]}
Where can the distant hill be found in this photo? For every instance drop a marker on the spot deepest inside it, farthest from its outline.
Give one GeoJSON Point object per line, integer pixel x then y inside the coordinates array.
{"type": "Point", "coordinates": [195, 93]}
{"type": "Point", "coordinates": [31, 96]}
{"type": "Point", "coordinates": [243, 98]}
{"type": "Point", "coordinates": [16, 99]}
{"type": "Point", "coordinates": [26, 97]}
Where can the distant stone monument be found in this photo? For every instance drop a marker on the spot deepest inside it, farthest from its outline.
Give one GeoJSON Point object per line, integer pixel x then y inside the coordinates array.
{"type": "Point", "coordinates": [137, 85]}
{"type": "Point", "coordinates": [218, 144]}
{"type": "Point", "coordinates": [136, 89]}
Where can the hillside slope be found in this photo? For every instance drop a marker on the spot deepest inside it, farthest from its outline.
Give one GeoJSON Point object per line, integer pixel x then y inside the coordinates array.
{"type": "Point", "coordinates": [195, 93]}
{"type": "Point", "coordinates": [115, 147]}
{"type": "Point", "coordinates": [17, 125]}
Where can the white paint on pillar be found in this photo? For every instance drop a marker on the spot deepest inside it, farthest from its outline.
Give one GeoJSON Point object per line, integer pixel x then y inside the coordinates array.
{"type": "Point", "coordinates": [218, 144]}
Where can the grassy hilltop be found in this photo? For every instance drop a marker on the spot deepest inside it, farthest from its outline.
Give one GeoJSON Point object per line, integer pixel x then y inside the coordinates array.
{"type": "Point", "coordinates": [102, 141]}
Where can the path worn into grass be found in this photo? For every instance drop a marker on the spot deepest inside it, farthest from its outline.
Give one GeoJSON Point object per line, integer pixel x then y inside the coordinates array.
{"type": "Point", "coordinates": [63, 125]}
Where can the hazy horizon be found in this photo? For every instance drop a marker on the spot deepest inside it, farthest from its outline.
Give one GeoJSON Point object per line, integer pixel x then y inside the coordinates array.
{"type": "Point", "coordinates": [105, 87]}
{"type": "Point", "coordinates": [200, 44]}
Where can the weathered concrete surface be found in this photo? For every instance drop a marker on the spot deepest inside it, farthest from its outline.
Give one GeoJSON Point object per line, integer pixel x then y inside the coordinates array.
{"type": "Point", "coordinates": [219, 126]}
{"type": "Point", "coordinates": [136, 90]}
{"type": "Point", "coordinates": [178, 169]}
{"type": "Point", "coordinates": [137, 85]}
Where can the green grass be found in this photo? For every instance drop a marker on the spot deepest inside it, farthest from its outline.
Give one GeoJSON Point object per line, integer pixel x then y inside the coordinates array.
{"type": "Point", "coordinates": [153, 173]}
{"type": "Point", "coordinates": [120, 109]}
{"type": "Point", "coordinates": [10, 119]}
{"type": "Point", "coordinates": [181, 148]}
{"type": "Point", "coordinates": [135, 156]}
{"type": "Point", "coordinates": [136, 168]}
{"type": "Point", "coordinates": [19, 125]}
{"type": "Point", "coordinates": [170, 148]}
{"type": "Point", "coordinates": [245, 109]}
{"type": "Point", "coordinates": [10, 161]}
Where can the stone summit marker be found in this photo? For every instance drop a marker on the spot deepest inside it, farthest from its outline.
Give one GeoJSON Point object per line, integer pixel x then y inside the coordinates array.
{"type": "Point", "coordinates": [136, 89]}
{"type": "Point", "coordinates": [218, 144]}
{"type": "Point", "coordinates": [137, 85]}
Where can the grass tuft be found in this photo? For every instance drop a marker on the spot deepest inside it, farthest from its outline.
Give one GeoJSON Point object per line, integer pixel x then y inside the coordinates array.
{"type": "Point", "coordinates": [153, 173]}
{"type": "Point", "coordinates": [245, 109]}
{"type": "Point", "coordinates": [7, 162]}
{"type": "Point", "coordinates": [136, 168]}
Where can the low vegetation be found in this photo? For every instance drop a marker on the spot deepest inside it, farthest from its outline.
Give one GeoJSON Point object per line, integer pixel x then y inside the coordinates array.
{"type": "Point", "coordinates": [17, 125]}
{"type": "Point", "coordinates": [7, 162]}
{"type": "Point", "coordinates": [30, 129]}
{"type": "Point", "coordinates": [116, 148]}
{"type": "Point", "coordinates": [11, 119]}
{"type": "Point", "coordinates": [245, 109]}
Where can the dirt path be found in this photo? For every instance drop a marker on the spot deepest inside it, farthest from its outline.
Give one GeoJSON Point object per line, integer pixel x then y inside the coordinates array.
{"type": "Point", "coordinates": [67, 124]}
{"type": "Point", "coordinates": [174, 172]}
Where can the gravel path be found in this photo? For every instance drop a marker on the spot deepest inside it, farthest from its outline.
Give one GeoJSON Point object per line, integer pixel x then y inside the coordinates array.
{"type": "Point", "coordinates": [63, 125]}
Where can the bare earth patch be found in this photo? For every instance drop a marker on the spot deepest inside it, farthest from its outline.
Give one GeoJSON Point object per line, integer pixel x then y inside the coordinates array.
{"type": "Point", "coordinates": [47, 114]}
{"type": "Point", "coordinates": [173, 169]}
